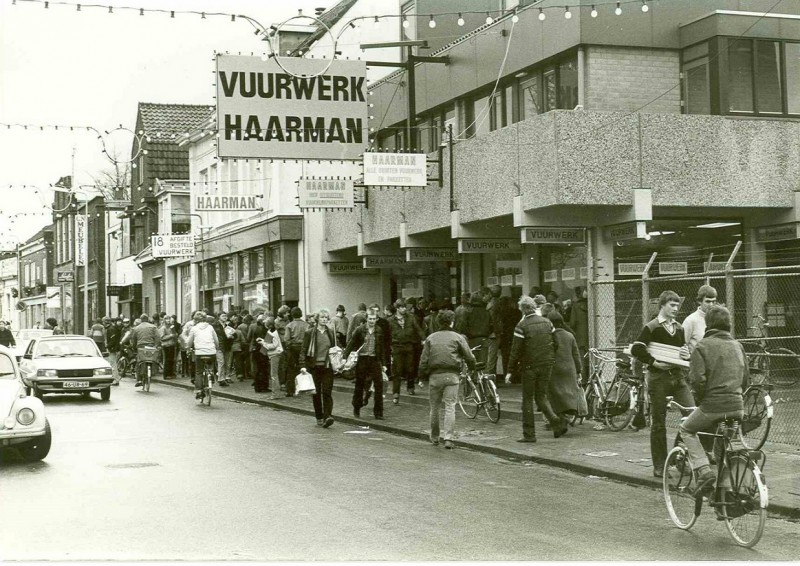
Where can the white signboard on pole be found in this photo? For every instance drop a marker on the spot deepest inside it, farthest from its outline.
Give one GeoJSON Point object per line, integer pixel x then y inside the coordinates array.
{"type": "Point", "coordinates": [396, 169]}
{"type": "Point", "coordinates": [265, 112]}
{"type": "Point", "coordinates": [80, 241]}
{"type": "Point", "coordinates": [326, 193]}
{"type": "Point", "coordinates": [172, 245]}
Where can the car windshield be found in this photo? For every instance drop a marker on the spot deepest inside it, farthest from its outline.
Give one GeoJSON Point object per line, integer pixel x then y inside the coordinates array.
{"type": "Point", "coordinates": [6, 367]}
{"type": "Point", "coordinates": [65, 348]}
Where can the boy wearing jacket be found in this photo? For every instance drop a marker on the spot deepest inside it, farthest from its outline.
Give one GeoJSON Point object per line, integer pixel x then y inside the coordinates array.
{"type": "Point", "coordinates": [203, 338]}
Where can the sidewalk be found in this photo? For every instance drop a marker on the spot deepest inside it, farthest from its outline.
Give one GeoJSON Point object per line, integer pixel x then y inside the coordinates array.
{"type": "Point", "coordinates": [622, 456]}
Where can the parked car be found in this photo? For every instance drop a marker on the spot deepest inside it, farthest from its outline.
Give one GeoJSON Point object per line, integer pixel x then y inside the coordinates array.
{"type": "Point", "coordinates": [65, 364]}
{"type": "Point", "coordinates": [24, 424]}
{"type": "Point", "coordinates": [24, 336]}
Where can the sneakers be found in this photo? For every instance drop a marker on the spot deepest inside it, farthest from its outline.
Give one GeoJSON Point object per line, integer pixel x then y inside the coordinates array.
{"type": "Point", "coordinates": [320, 422]}
{"type": "Point", "coordinates": [448, 444]}
{"type": "Point", "coordinates": [396, 398]}
{"type": "Point", "coordinates": [434, 440]}
{"type": "Point", "coordinates": [705, 480]}
{"type": "Point", "coordinates": [328, 422]}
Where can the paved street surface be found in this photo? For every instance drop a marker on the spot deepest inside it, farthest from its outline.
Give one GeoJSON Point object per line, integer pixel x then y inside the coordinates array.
{"type": "Point", "coordinates": [156, 477]}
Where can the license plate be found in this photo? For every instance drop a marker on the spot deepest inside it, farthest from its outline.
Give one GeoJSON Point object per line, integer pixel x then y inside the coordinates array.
{"type": "Point", "coordinates": [75, 384]}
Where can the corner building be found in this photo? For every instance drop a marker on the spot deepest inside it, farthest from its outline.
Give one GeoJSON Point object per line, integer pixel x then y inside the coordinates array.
{"type": "Point", "coordinates": [582, 145]}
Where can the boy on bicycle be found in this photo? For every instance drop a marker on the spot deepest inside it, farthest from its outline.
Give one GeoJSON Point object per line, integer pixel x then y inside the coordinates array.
{"type": "Point", "coordinates": [203, 339]}
{"type": "Point", "coordinates": [718, 373]}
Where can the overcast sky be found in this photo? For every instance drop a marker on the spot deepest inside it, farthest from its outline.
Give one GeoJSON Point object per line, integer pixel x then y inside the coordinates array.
{"type": "Point", "coordinates": [91, 68]}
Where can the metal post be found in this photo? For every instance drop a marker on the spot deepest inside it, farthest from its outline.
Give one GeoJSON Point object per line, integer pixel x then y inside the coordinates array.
{"type": "Point", "coordinates": [452, 167]}
{"type": "Point", "coordinates": [708, 277]}
{"type": "Point", "coordinates": [412, 100]}
{"type": "Point", "coordinates": [730, 292]}
{"type": "Point", "coordinates": [646, 290]}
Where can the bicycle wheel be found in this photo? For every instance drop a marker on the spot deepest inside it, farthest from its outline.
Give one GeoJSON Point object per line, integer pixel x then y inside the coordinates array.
{"type": "Point", "coordinates": [122, 367]}
{"type": "Point", "coordinates": [757, 419]}
{"type": "Point", "coordinates": [745, 502]}
{"type": "Point", "coordinates": [784, 369]}
{"type": "Point", "coordinates": [491, 404]}
{"type": "Point", "coordinates": [619, 406]}
{"type": "Point", "coordinates": [678, 484]}
{"type": "Point", "coordinates": [466, 398]}
{"type": "Point", "coordinates": [148, 375]}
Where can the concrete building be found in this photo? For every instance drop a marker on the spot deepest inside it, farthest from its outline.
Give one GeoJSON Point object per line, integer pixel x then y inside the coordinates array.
{"type": "Point", "coordinates": [582, 145]}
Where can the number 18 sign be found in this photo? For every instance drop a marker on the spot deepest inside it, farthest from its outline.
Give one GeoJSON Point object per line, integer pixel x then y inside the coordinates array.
{"type": "Point", "coordinates": [172, 245]}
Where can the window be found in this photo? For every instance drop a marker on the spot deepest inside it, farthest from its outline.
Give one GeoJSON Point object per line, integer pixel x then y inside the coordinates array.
{"type": "Point", "coordinates": [696, 85]}
{"type": "Point", "coordinates": [550, 94]}
{"type": "Point", "coordinates": [793, 77]}
{"type": "Point", "coordinates": [275, 265]}
{"type": "Point", "coordinates": [568, 84]}
{"type": "Point", "coordinates": [244, 266]}
{"type": "Point", "coordinates": [769, 93]}
{"type": "Point", "coordinates": [530, 97]}
{"type": "Point", "coordinates": [497, 111]}
{"type": "Point", "coordinates": [740, 76]}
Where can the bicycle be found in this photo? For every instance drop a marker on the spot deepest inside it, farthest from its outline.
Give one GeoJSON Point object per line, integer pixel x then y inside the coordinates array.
{"type": "Point", "coordinates": [614, 403]}
{"type": "Point", "coordinates": [779, 366]}
{"type": "Point", "coordinates": [478, 392]}
{"type": "Point", "coordinates": [207, 377]}
{"type": "Point", "coordinates": [758, 413]}
{"type": "Point", "coordinates": [739, 497]}
{"type": "Point", "coordinates": [147, 355]}
{"type": "Point", "coordinates": [125, 363]}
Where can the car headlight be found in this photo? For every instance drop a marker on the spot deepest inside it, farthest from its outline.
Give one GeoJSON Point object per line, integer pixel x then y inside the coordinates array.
{"type": "Point", "coordinates": [47, 373]}
{"type": "Point", "coordinates": [26, 416]}
{"type": "Point", "coordinates": [102, 371]}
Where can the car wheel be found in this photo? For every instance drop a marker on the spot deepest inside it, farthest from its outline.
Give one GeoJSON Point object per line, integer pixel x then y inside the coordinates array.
{"type": "Point", "coordinates": [105, 394]}
{"type": "Point", "coordinates": [39, 447]}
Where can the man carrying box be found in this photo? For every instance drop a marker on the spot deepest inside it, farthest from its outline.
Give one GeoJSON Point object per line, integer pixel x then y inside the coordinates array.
{"type": "Point", "coordinates": [663, 379]}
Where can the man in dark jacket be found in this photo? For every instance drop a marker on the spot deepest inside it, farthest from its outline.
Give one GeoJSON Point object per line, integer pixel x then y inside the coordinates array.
{"type": "Point", "coordinates": [533, 355]}
{"type": "Point", "coordinates": [406, 334]}
{"type": "Point", "coordinates": [145, 334]}
{"type": "Point", "coordinates": [317, 343]}
{"type": "Point", "coordinates": [6, 336]}
{"type": "Point", "coordinates": [443, 353]}
{"type": "Point", "coordinates": [224, 350]}
{"type": "Point", "coordinates": [718, 373]}
{"type": "Point", "coordinates": [477, 325]}
{"type": "Point", "coordinates": [663, 379]}
{"type": "Point", "coordinates": [367, 339]}
{"type": "Point", "coordinates": [579, 323]}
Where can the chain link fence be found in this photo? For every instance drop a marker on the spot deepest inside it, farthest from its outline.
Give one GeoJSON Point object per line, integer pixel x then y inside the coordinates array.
{"type": "Point", "coordinates": [764, 303]}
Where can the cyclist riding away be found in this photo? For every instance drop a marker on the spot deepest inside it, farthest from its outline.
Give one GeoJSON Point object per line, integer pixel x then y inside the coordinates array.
{"type": "Point", "coordinates": [718, 373]}
{"type": "Point", "coordinates": [203, 339]}
{"type": "Point", "coordinates": [145, 334]}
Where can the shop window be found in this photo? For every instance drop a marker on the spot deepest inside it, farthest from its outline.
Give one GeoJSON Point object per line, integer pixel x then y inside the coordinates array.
{"type": "Point", "coordinates": [768, 77]}
{"type": "Point", "coordinates": [568, 84]}
{"type": "Point", "coordinates": [244, 266]}
{"type": "Point", "coordinates": [696, 87]}
{"type": "Point", "coordinates": [230, 269]}
{"type": "Point", "coordinates": [211, 274]}
{"type": "Point", "coordinates": [274, 260]}
{"type": "Point", "coordinates": [740, 76]}
{"type": "Point", "coordinates": [792, 77]}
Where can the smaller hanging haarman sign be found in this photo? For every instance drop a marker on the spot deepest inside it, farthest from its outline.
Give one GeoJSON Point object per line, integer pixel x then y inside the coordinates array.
{"type": "Point", "coordinates": [395, 169]}
{"type": "Point", "coordinates": [326, 193]}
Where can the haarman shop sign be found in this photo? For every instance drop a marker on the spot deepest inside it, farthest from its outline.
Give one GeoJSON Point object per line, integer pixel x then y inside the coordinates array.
{"type": "Point", "coordinates": [431, 254]}
{"type": "Point", "coordinates": [487, 245]}
{"type": "Point", "coordinates": [207, 203]}
{"type": "Point", "coordinates": [396, 169]}
{"type": "Point", "coordinates": [383, 261]}
{"type": "Point", "coordinates": [325, 193]}
{"type": "Point", "coordinates": [553, 235]}
{"type": "Point", "coordinates": [264, 112]}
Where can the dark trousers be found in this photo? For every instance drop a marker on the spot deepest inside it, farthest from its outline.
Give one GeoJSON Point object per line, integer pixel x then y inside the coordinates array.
{"type": "Point", "coordinates": [292, 366]}
{"type": "Point", "coordinates": [187, 363]}
{"type": "Point", "coordinates": [236, 363]}
{"type": "Point", "coordinates": [169, 360]}
{"type": "Point", "coordinates": [253, 363]}
{"type": "Point", "coordinates": [323, 398]}
{"type": "Point", "coordinates": [200, 362]}
{"type": "Point", "coordinates": [505, 352]}
{"type": "Point", "coordinates": [261, 381]}
{"type": "Point", "coordinates": [402, 362]}
{"type": "Point", "coordinates": [415, 363]}
{"type": "Point", "coordinates": [535, 381]}
{"type": "Point", "coordinates": [368, 371]}
{"type": "Point", "coordinates": [661, 385]}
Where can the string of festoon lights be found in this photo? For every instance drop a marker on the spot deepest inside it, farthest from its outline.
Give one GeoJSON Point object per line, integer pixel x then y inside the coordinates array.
{"type": "Point", "coordinates": [566, 9]}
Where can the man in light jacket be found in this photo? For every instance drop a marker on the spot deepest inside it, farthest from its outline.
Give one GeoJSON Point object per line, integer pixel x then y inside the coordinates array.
{"type": "Point", "coordinates": [203, 338]}
{"type": "Point", "coordinates": [443, 354]}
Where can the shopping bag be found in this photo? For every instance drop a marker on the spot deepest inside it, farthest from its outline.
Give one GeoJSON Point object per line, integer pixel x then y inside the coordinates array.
{"type": "Point", "coordinates": [352, 360]}
{"type": "Point", "coordinates": [335, 359]}
{"type": "Point", "coordinates": [304, 382]}
{"type": "Point", "coordinates": [384, 375]}
{"type": "Point", "coordinates": [583, 408]}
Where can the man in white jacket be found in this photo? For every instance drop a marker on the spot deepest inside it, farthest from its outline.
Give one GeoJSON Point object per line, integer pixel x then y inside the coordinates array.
{"type": "Point", "coordinates": [203, 339]}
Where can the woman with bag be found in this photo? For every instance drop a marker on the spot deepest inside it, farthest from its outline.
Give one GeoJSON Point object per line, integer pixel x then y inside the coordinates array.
{"type": "Point", "coordinates": [272, 347]}
{"type": "Point", "coordinates": [317, 343]}
{"type": "Point", "coordinates": [563, 390]}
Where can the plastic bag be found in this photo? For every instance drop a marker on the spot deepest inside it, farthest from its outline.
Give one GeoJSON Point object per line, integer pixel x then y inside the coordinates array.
{"type": "Point", "coordinates": [304, 382]}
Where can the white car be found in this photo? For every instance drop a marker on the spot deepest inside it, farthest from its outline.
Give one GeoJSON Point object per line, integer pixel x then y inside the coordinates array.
{"type": "Point", "coordinates": [24, 336]}
{"type": "Point", "coordinates": [24, 425]}
{"type": "Point", "coordinates": [65, 364]}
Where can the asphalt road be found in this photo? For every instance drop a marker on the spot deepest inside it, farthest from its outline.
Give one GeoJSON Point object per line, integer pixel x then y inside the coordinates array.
{"type": "Point", "coordinates": [156, 477]}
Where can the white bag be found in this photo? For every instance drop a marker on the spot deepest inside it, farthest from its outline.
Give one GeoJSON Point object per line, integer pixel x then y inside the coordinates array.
{"type": "Point", "coordinates": [304, 382]}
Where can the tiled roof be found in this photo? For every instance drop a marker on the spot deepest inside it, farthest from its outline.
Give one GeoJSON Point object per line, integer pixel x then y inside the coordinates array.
{"type": "Point", "coordinates": [168, 119]}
